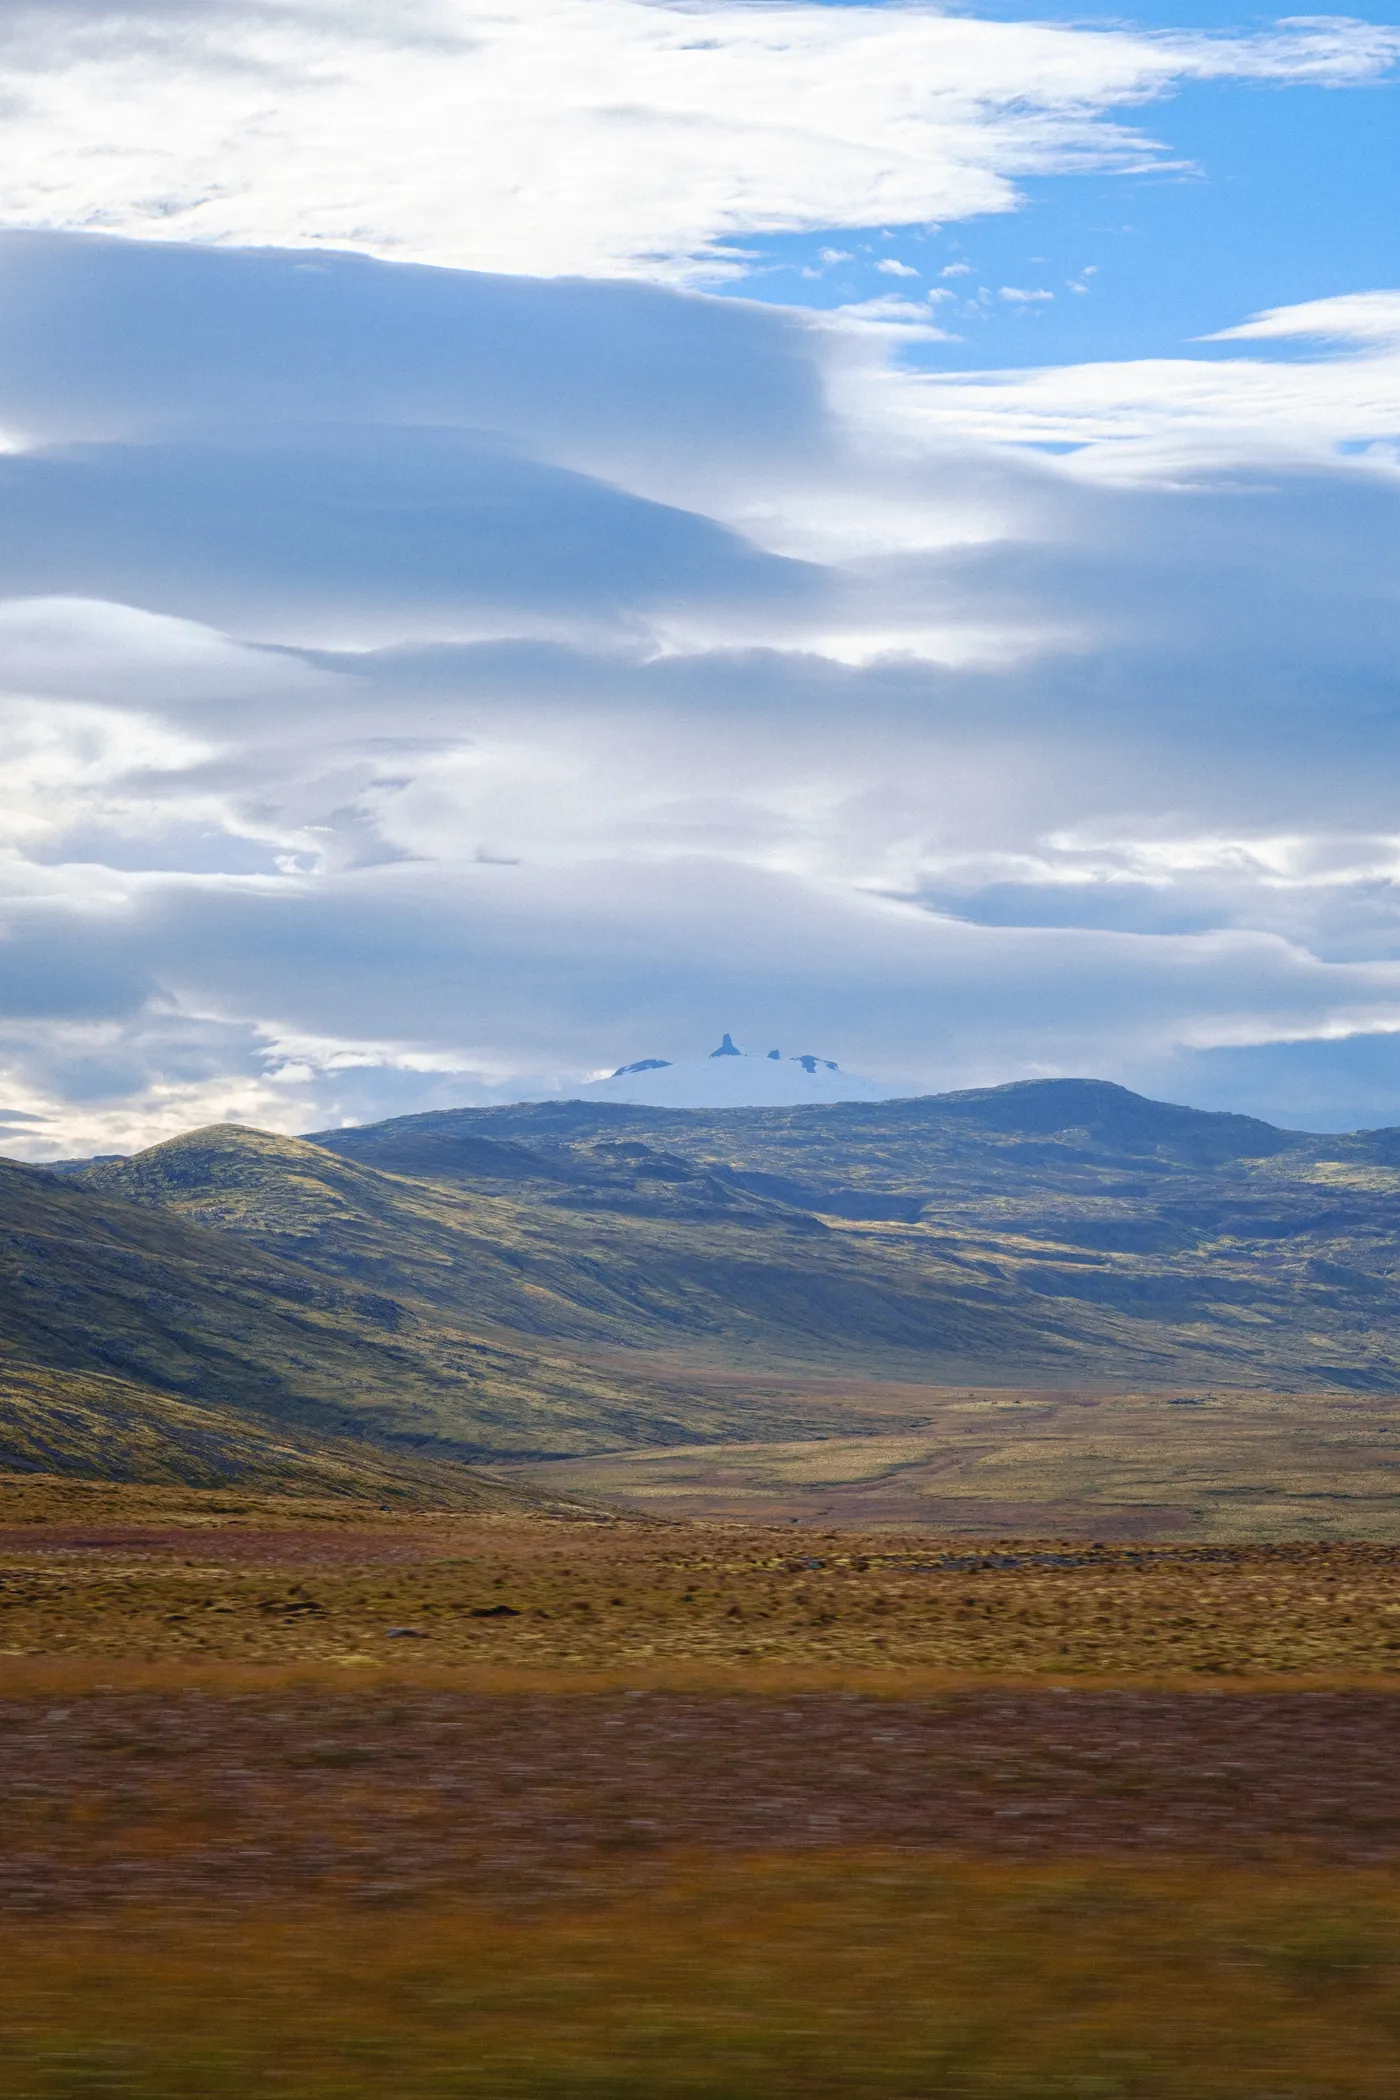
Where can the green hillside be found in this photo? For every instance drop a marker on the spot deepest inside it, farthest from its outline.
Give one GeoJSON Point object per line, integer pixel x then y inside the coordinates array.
{"type": "Point", "coordinates": [629, 1253]}
{"type": "Point", "coordinates": [1027, 1143]}
{"type": "Point", "coordinates": [1036, 1131]}
{"type": "Point", "coordinates": [259, 1274]}
{"type": "Point", "coordinates": [86, 1426]}
{"type": "Point", "coordinates": [562, 1279]}
{"type": "Point", "coordinates": [1062, 1232]}
{"type": "Point", "coordinates": [91, 1282]}
{"type": "Point", "coordinates": [1170, 1242]}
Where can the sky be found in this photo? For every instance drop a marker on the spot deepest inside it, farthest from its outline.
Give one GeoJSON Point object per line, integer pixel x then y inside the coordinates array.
{"type": "Point", "coordinates": [534, 532]}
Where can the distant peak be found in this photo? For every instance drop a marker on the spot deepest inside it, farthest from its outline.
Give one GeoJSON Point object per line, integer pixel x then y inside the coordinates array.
{"type": "Point", "coordinates": [727, 1047]}
{"type": "Point", "coordinates": [647, 1064]}
{"type": "Point", "coordinates": [810, 1063]}
{"type": "Point", "coordinates": [775, 1054]}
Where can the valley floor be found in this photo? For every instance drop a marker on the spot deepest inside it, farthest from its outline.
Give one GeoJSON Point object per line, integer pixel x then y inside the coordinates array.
{"type": "Point", "coordinates": [1181, 1463]}
{"type": "Point", "coordinates": [320, 1803]}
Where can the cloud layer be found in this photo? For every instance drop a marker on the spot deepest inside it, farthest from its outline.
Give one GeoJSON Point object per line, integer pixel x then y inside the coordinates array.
{"type": "Point", "coordinates": [423, 686]}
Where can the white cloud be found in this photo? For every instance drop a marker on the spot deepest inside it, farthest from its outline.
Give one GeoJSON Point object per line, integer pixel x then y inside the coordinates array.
{"type": "Point", "coordinates": [1032, 766]}
{"type": "Point", "coordinates": [1351, 317]}
{"type": "Point", "coordinates": [92, 648]}
{"type": "Point", "coordinates": [67, 762]}
{"type": "Point", "coordinates": [1161, 418]}
{"type": "Point", "coordinates": [611, 136]}
{"type": "Point", "coordinates": [1017, 297]}
{"type": "Point", "coordinates": [894, 268]}
{"type": "Point", "coordinates": [889, 315]}
{"type": "Point", "coordinates": [537, 973]}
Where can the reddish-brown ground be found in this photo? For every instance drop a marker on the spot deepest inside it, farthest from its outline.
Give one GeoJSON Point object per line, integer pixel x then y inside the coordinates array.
{"type": "Point", "coordinates": [202, 1796]}
{"type": "Point", "coordinates": [291, 1805]}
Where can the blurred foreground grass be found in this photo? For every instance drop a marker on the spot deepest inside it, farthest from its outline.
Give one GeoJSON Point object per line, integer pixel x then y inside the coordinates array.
{"type": "Point", "coordinates": [415, 1879]}
{"type": "Point", "coordinates": [765, 1978]}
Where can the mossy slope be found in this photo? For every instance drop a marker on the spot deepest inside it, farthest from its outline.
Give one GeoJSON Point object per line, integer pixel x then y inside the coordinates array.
{"type": "Point", "coordinates": [564, 1280]}
{"type": "Point", "coordinates": [84, 1426]}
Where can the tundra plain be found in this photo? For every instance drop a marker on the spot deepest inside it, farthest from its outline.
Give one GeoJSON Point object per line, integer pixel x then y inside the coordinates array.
{"type": "Point", "coordinates": [309, 1798]}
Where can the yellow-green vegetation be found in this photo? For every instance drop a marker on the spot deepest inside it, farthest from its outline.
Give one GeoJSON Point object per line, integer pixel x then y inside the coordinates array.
{"type": "Point", "coordinates": [848, 1977]}
{"type": "Point", "coordinates": [578, 1282]}
{"type": "Point", "coordinates": [29, 1500]}
{"type": "Point", "coordinates": [32, 1504]}
{"type": "Point", "coordinates": [617, 1258]}
{"type": "Point", "coordinates": [92, 1282]}
{"type": "Point", "coordinates": [1211, 1466]}
{"type": "Point", "coordinates": [82, 1425]}
{"type": "Point", "coordinates": [1162, 1240]}
{"type": "Point", "coordinates": [1009, 1259]}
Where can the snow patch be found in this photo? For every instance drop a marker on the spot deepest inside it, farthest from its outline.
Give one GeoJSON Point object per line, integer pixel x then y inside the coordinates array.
{"type": "Point", "coordinates": [729, 1078]}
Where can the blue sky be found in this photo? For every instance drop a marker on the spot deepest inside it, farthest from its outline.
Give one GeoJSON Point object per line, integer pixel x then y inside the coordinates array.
{"type": "Point", "coordinates": [1282, 198]}
{"type": "Point", "coordinates": [507, 569]}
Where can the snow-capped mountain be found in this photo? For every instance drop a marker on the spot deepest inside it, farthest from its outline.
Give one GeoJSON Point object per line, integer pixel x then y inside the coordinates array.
{"type": "Point", "coordinates": [731, 1078]}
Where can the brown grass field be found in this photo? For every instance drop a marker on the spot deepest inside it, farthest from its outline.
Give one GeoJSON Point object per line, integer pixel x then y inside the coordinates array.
{"type": "Point", "coordinates": [305, 1800]}
{"type": "Point", "coordinates": [1180, 1463]}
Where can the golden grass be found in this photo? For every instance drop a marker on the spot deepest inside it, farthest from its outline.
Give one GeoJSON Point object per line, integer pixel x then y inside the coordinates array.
{"type": "Point", "coordinates": [211, 1582]}
{"type": "Point", "coordinates": [117, 1430]}
{"type": "Point", "coordinates": [42, 1499]}
{"type": "Point", "coordinates": [836, 1972]}
{"type": "Point", "coordinates": [34, 1677]}
{"type": "Point", "coordinates": [1212, 1466]}
{"type": "Point", "coordinates": [768, 1978]}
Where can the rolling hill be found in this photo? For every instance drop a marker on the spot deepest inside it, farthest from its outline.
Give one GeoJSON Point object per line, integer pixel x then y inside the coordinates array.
{"type": "Point", "coordinates": [561, 1279]}
{"type": "Point", "coordinates": [617, 1248]}
{"type": "Point", "coordinates": [147, 1292]}
{"type": "Point", "coordinates": [86, 1426]}
{"type": "Point", "coordinates": [1173, 1243]}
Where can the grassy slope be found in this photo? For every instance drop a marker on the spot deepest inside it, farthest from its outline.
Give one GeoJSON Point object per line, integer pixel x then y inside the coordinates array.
{"type": "Point", "coordinates": [90, 1282]}
{"type": "Point", "coordinates": [602, 1252]}
{"type": "Point", "coordinates": [85, 1426]}
{"type": "Point", "coordinates": [424, 1318]}
{"type": "Point", "coordinates": [610, 1266]}
{"type": "Point", "coordinates": [566, 1280]}
{"type": "Point", "coordinates": [1166, 1242]}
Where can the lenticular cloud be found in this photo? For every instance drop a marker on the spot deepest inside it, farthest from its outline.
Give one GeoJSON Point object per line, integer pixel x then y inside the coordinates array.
{"type": "Point", "coordinates": [429, 686]}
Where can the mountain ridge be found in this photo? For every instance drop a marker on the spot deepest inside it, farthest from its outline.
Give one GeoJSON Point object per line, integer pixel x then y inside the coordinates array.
{"type": "Point", "coordinates": [1023, 1107]}
{"type": "Point", "coordinates": [563, 1278]}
